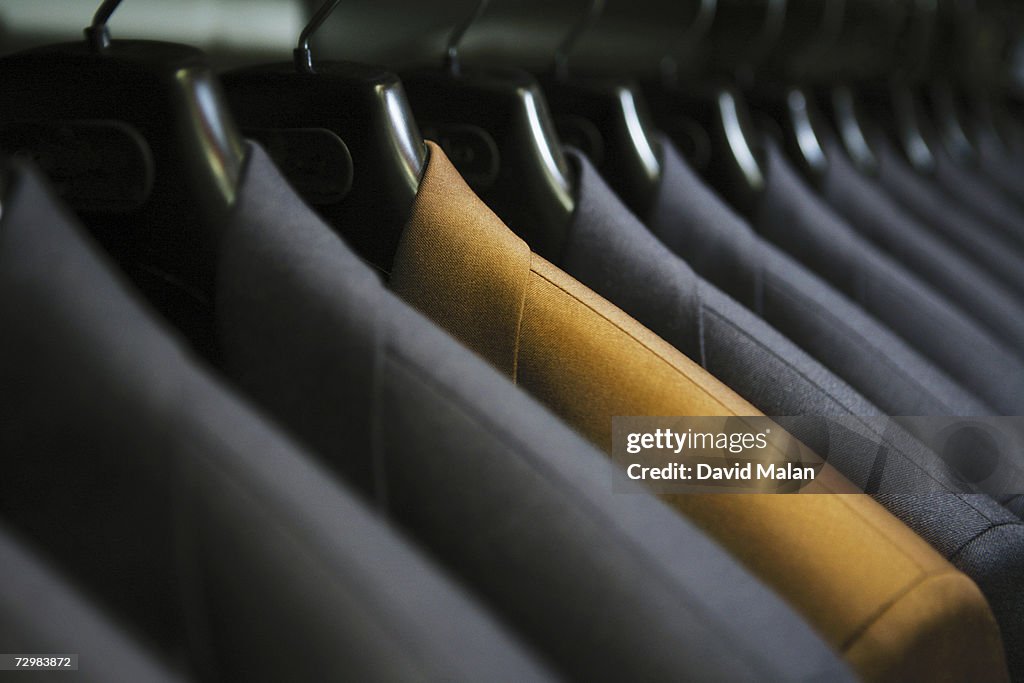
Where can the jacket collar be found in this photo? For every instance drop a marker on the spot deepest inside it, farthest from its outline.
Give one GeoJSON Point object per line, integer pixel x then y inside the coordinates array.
{"type": "Point", "coordinates": [300, 321]}
{"type": "Point", "coordinates": [461, 266]}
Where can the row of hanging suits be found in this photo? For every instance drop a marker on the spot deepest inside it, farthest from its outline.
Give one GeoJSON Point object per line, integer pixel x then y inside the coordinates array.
{"type": "Point", "coordinates": [304, 463]}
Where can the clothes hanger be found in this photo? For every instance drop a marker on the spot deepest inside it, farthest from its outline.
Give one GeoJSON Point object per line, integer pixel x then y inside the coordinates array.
{"type": "Point", "coordinates": [951, 20]}
{"type": "Point", "coordinates": [953, 132]}
{"type": "Point", "coordinates": [786, 96]}
{"type": "Point", "coordinates": [893, 101]}
{"type": "Point", "coordinates": [86, 110]}
{"type": "Point", "coordinates": [841, 105]}
{"type": "Point", "coordinates": [995, 100]}
{"type": "Point", "coordinates": [344, 136]}
{"type": "Point", "coordinates": [495, 126]}
{"type": "Point", "coordinates": [735, 163]}
{"type": "Point", "coordinates": [669, 101]}
{"type": "Point", "coordinates": [839, 100]}
{"type": "Point", "coordinates": [902, 117]}
{"type": "Point", "coordinates": [608, 119]}
{"type": "Point", "coordinates": [138, 140]}
{"type": "Point", "coordinates": [981, 89]}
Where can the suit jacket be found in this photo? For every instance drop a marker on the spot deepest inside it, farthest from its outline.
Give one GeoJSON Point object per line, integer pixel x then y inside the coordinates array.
{"type": "Point", "coordinates": [41, 613]}
{"type": "Point", "coordinates": [971, 236]}
{"type": "Point", "coordinates": [526, 513]}
{"type": "Point", "coordinates": [589, 361]}
{"type": "Point", "coordinates": [692, 221]}
{"type": "Point", "coordinates": [970, 530]}
{"type": "Point", "coordinates": [608, 249]}
{"type": "Point", "coordinates": [979, 195]}
{"type": "Point", "coordinates": [183, 512]}
{"type": "Point", "coordinates": [1001, 165]}
{"type": "Point", "coordinates": [878, 218]}
{"type": "Point", "coordinates": [792, 217]}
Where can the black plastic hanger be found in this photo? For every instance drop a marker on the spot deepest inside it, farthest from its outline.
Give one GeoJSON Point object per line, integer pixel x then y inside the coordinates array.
{"type": "Point", "coordinates": [496, 128]}
{"type": "Point", "coordinates": [947, 115]}
{"type": "Point", "coordinates": [952, 24]}
{"type": "Point", "coordinates": [798, 123]}
{"type": "Point", "coordinates": [982, 35]}
{"type": "Point", "coordinates": [894, 103]}
{"type": "Point", "coordinates": [343, 134]}
{"type": "Point", "coordinates": [969, 96]}
{"type": "Point", "coordinates": [827, 65]}
{"type": "Point", "coordinates": [136, 137]}
{"type": "Point", "coordinates": [735, 164]}
{"type": "Point", "coordinates": [608, 119]}
{"type": "Point", "coordinates": [687, 55]}
{"type": "Point", "coordinates": [87, 111]}
{"type": "Point", "coordinates": [842, 106]}
{"type": "Point", "coordinates": [784, 93]}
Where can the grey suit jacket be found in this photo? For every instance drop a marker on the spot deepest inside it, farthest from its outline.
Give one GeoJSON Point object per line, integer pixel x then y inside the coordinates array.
{"type": "Point", "coordinates": [1001, 165]}
{"type": "Point", "coordinates": [40, 612]}
{"type": "Point", "coordinates": [605, 585]}
{"type": "Point", "coordinates": [878, 218]}
{"type": "Point", "coordinates": [183, 512]}
{"type": "Point", "coordinates": [799, 222]}
{"type": "Point", "coordinates": [969, 235]}
{"type": "Point", "coordinates": [609, 250]}
{"type": "Point", "coordinates": [979, 195]}
{"type": "Point", "coordinates": [980, 537]}
{"type": "Point", "coordinates": [698, 226]}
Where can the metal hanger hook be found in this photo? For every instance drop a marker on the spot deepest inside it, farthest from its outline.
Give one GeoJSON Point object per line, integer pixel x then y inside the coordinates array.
{"type": "Point", "coordinates": [451, 51]}
{"type": "Point", "coordinates": [97, 33]}
{"type": "Point", "coordinates": [594, 10]}
{"type": "Point", "coordinates": [302, 54]}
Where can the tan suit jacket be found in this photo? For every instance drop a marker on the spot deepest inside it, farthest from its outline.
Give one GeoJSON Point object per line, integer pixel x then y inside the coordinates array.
{"type": "Point", "coordinates": [893, 607]}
